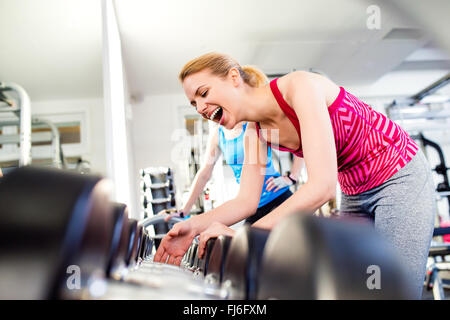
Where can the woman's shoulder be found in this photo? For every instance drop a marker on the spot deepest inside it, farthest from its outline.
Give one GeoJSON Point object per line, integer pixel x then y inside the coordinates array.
{"type": "Point", "coordinates": [294, 80]}
{"type": "Point", "coordinates": [300, 82]}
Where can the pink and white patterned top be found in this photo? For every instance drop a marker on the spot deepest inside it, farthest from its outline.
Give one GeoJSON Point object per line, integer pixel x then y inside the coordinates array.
{"type": "Point", "coordinates": [370, 148]}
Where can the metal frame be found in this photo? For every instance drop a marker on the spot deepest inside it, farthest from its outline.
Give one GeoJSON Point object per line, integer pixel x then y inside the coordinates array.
{"type": "Point", "coordinates": [441, 168]}
{"type": "Point", "coordinates": [53, 136]}
{"type": "Point", "coordinates": [56, 141]}
{"type": "Point", "coordinates": [414, 99]}
{"type": "Point", "coordinates": [24, 114]}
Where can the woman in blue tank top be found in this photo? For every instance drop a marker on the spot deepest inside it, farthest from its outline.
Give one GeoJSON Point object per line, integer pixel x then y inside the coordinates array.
{"type": "Point", "coordinates": [230, 143]}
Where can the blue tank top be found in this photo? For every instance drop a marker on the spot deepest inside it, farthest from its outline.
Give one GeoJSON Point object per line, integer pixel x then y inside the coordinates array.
{"type": "Point", "coordinates": [233, 153]}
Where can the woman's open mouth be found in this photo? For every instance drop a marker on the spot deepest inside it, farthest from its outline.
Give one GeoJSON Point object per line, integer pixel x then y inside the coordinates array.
{"type": "Point", "coordinates": [216, 115]}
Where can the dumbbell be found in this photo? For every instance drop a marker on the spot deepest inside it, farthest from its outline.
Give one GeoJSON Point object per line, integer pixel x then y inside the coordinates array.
{"type": "Point", "coordinates": [142, 254]}
{"type": "Point", "coordinates": [157, 221]}
{"type": "Point", "coordinates": [185, 260]}
{"type": "Point", "coordinates": [204, 262]}
{"type": "Point", "coordinates": [55, 233]}
{"type": "Point", "coordinates": [158, 281]}
{"type": "Point", "coordinates": [132, 243]}
{"type": "Point", "coordinates": [308, 257]}
{"type": "Point", "coordinates": [216, 263]}
{"type": "Point", "coordinates": [146, 245]}
{"type": "Point", "coordinates": [193, 255]}
{"type": "Point", "coordinates": [149, 247]}
{"type": "Point", "coordinates": [162, 276]}
{"type": "Point", "coordinates": [119, 241]}
{"type": "Point", "coordinates": [138, 244]}
{"type": "Point", "coordinates": [156, 175]}
{"type": "Point", "coordinates": [193, 261]}
{"type": "Point", "coordinates": [243, 261]}
{"type": "Point", "coordinates": [155, 191]}
{"type": "Point", "coordinates": [142, 245]}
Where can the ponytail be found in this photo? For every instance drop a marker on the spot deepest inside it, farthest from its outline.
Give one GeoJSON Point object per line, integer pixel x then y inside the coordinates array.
{"type": "Point", "coordinates": [254, 77]}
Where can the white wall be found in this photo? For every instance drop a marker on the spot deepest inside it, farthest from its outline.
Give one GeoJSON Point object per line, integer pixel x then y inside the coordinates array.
{"type": "Point", "coordinates": [94, 149]}
{"type": "Point", "coordinates": [154, 123]}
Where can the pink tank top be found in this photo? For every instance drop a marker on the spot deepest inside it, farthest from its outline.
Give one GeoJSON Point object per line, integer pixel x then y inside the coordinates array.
{"type": "Point", "coordinates": [370, 148]}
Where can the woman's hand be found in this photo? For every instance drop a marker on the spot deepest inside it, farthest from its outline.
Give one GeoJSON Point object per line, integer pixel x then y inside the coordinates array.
{"type": "Point", "coordinates": [213, 231]}
{"type": "Point", "coordinates": [175, 243]}
{"type": "Point", "coordinates": [176, 214]}
{"type": "Point", "coordinates": [278, 183]}
{"type": "Point", "coordinates": [169, 213]}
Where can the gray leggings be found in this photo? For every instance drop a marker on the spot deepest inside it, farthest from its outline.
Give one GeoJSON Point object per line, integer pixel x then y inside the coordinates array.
{"type": "Point", "coordinates": [403, 210]}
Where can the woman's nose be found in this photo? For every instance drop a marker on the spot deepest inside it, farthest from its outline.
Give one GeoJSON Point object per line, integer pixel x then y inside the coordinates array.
{"type": "Point", "coordinates": [201, 108]}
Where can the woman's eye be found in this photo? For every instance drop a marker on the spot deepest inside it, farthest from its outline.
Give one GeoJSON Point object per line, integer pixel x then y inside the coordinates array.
{"type": "Point", "coordinates": [204, 94]}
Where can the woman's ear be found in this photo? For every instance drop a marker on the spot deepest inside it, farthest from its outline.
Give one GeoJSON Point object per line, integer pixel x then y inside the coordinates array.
{"type": "Point", "coordinates": [235, 76]}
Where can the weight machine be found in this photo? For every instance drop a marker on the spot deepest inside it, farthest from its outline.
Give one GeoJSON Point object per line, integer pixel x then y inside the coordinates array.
{"type": "Point", "coordinates": [17, 112]}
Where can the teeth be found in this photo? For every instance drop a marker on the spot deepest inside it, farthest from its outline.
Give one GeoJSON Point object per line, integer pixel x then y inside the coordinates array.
{"type": "Point", "coordinates": [214, 114]}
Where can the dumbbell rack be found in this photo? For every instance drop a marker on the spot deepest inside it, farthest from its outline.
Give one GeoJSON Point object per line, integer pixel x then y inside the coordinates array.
{"type": "Point", "coordinates": [112, 252]}
{"type": "Point", "coordinates": [150, 280]}
{"type": "Point", "coordinates": [157, 194]}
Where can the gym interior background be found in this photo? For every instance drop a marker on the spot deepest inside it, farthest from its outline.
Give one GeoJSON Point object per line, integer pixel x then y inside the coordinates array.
{"type": "Point", "coordinates": [103, 76]}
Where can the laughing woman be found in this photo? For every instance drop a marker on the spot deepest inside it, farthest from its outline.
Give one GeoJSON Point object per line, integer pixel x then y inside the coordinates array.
{"type": "Point", "coordinates": [381, 171]}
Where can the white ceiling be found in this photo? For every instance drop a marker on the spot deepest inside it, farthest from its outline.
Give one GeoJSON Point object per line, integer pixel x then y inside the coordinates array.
{"type": "Point", "coordinates": [53, 48]}
{"type": "Point", "coordinates": [278, 36]}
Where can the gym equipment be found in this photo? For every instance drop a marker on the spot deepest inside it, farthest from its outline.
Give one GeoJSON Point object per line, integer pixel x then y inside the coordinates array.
{"type": "Point", "coordinates": [203, 263]}
{"type": "Point", "coordinates": [157, 193]}
{"type": "Point", "coordinates": [193, 258]}
{"type": "Point", "coordinates": [158, 281]}
{"type": "Point", "coordinates": [441, 169]}
{"type": "Point", "coordinates": [72, 237]}
{"type": "Point", "coordinates": [243, 262]}
{"type": "Point", "coordinates": [308, 257]}
{"type": "Point", "coordinates": [146, 245]}
{"type": "Point", "coordinates": [54, 233]}
{"type": "Point", "coordinates": [218, 256]}
{"type": "Point", "coordinates": [119, 242]}
{"type": "Point", "coordinates": [132, 243]}
{"type": "Point", "coordinates": [438, 265]}
{"type": "Point", "coordinates": [23, 113]}
{"type": "Point", "coordinates": [416, 98]}
{"type": "Point", "coordinates": [138, 242]}
{"type": "Point", "coordinates": [158, 219]}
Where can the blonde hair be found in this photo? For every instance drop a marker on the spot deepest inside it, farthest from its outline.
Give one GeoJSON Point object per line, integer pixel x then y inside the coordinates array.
{"type": "Point", "coordinates": [220, 64]}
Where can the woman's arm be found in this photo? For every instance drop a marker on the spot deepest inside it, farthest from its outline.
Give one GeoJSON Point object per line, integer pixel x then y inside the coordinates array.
{"type": "Point", "coordinates": [175, 244]}
{"type": "Point", "coordinates": [204, 174]}
{"type": "Point", "coordinates": [251, 183]}
{"type": "Point", "coordinates": [280, 182]}
{"type": "Point", "coordinates": [308, 99]}
{"type": "Point", "coordinates": [297, 166]}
